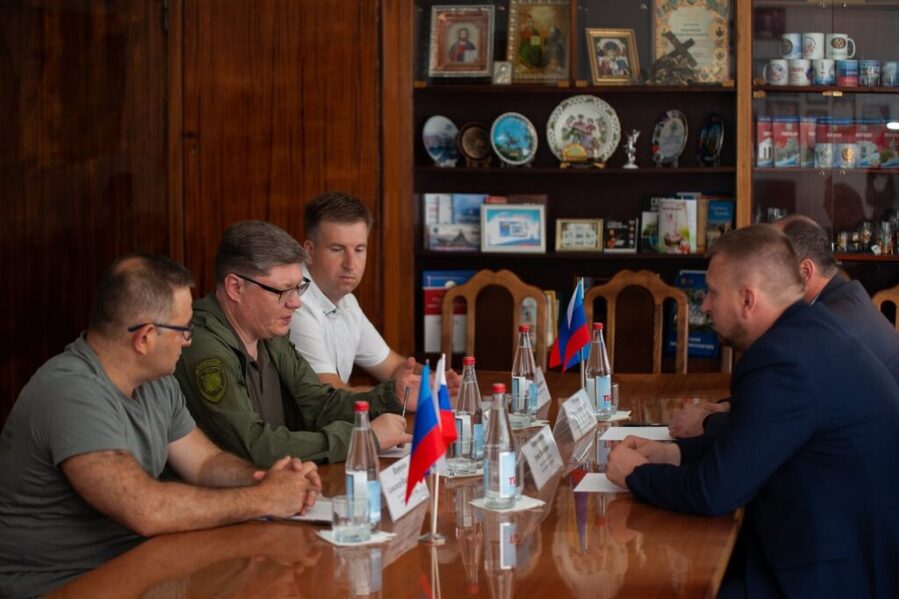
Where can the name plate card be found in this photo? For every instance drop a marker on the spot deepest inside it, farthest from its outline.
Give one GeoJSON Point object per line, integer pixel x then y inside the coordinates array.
{"type": "Point", "coordinates": [579, 411]}
{"type": "Point", "coordinates": [543, 396]}
{"type": "Point", "coordinates": [542, 455]}
{"type": "Point", "coordinates": [393, 482]}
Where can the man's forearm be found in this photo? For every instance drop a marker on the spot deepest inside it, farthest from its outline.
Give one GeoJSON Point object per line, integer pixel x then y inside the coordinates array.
{"type": "Point", "coordinates": [226, 470]}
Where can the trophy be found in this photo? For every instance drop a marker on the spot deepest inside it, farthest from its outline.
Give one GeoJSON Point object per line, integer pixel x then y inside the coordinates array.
{"type": "Point", "coordinates": [630, 148]}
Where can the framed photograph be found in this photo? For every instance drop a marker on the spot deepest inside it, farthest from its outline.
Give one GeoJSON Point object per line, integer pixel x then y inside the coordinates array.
{"type": "Point", "coordinates": [706, 23]}
{"type": "Point", "coordinates": [461, 41]}
{"type": "Point", "coordinates": [539, 40]}
{"type": "Point", "coordinates": [613, 56]}
{"type": "Point", "coordinates": [578, 235]}
{"type": "Point", "coordinates": [513, 228]}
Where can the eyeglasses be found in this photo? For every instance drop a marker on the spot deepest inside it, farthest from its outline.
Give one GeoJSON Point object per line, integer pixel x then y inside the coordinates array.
{"type": "Point", "coordinates": [186, 332]}
{"type": "Point", "coordinates": [283, 294]}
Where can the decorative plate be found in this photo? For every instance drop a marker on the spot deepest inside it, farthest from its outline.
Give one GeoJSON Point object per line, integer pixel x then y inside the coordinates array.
{"type": "Point", "coordinates": [439, 136]}
{"type": "Point", "coordinates": [669, 138]}
{"type": "Point", "coordinates": [474, 144]}
{"type": "Point", "coordinates": [514, 138]}
{"type": "Point", "coordinates": [711, 138]}
{"type": "Point", "coordinates": [583, 128]}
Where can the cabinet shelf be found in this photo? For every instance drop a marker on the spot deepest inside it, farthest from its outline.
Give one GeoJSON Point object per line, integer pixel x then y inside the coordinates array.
{"type": "Point", "coordinates": [822, 89]}
{"type": "Point", "coordinates": [430, 255]}
{"type": "Point", "coordinates": [530, 88]}
{"type": "Point", "coordinates": [825, 171]}
{"type": "Point", "coordinates": [866, 258]}
{"type": "Point", "coordinates": [578, 171]}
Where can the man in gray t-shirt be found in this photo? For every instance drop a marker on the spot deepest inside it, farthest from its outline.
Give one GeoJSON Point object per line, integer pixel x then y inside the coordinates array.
{"type": "Point", "coordinates": [92, 430]}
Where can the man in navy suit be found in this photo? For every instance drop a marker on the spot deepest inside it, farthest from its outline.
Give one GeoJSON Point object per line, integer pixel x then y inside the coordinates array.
{"type": "Point", "coordinates": [811, 446]}
{"type": "Point", "coordinates": [826, 285]}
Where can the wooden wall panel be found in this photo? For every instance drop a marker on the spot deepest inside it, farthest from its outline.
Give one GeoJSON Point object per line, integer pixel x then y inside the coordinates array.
{"type": "Point", "coordinates": [281, 103]}
{"type": "Point", "coordinates": [82, 164]}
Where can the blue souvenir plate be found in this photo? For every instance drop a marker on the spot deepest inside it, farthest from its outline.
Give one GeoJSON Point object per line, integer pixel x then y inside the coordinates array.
{"type": "Point", "coordinates": [514, 138]}
{"type": "Point", "coordinates": [439, 136]}
{"type": "Point", "coordinates": [669, 138]}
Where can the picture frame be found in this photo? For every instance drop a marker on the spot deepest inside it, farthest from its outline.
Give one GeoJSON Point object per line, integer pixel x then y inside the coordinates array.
{"type": "Point", "coordinates": [613, 56]}
{"type": "Point", "coordinates": [461, 42]}
{"type": "Point", "coordinates": [513, 228]}
{"type": "Point", "coordinates": [706, 23]}
{"type": "Point", "coordinates": [579, 235]}
{"type": "Point", "coordinates": [538, 40]}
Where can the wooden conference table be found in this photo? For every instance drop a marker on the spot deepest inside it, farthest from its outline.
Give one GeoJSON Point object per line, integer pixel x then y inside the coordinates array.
{"type": "Point", "coordinates": [577, 545]}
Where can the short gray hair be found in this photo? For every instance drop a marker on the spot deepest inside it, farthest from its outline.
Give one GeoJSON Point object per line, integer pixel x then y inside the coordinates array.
{"type": "Point", "coordinates": [762, 250]}
{"type": "Point", "coordinates": [809, 241]}
{"type": "Point", "coordinates": [253, 248]}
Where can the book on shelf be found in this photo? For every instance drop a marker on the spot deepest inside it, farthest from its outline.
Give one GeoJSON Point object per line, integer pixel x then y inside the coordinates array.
{"type": "Point", "coordinates": [720, 219]}
{"type": "Point", "coordinates": [677, 226]}
{"type": "Point", "coordinates": [649, 231]}
{"type": "Point", "coordinates": [702, 339]}
{"type": "Point", "coordinates": [467, 208]}
{"type": "Point", "coordinates": [452, 222]}
{"type": "Point", "coordinates": [620, 235]}
{"type": "Point", "coordinates": [453, 238]}
{"type": "Point", "coordinates": [528, 198]}
{"type": "Point", "coordinates": [438, 208]}
{"type": "Point", "coordinates": [434, 284]}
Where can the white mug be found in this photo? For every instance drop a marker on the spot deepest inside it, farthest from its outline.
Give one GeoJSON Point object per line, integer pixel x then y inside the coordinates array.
{"type": "Point", "coordinates": [839, 46]}
{"type": "Point", "coordinates": [800, 72]}
{"type": "Point", "coordinates": [791, 45]}
{"type": "Point", "coordinates": [775, 72]}
{"type": "Point", "coordinates": [824, 71]}
{"type": "Point", "coordinates": [812, 45]}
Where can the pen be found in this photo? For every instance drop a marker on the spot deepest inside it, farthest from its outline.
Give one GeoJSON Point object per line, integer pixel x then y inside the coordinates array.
{"type": "Point", "coordinates": [405, 399]}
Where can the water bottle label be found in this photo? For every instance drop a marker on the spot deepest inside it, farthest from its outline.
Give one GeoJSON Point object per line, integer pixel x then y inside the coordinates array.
{"type": "Point", "coordinates": [532, 398]}
{"type": "Point", "coordinates": [478, 433]}
{"type": "Point", "coordinates": [356, 484]}
{"type": "Point", "coordinates": [374, 501]}
{"type": "Point", "coordinates": [519, 398]}
{"type": "Point", "coordinates": [508, 479]}
{"type": "Point", "coordinates": [463, 435]}
{"type": "Point", "coordinates": [604, 393]}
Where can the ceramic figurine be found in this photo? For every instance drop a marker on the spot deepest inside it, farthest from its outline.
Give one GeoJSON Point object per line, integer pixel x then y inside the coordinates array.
{"type": "Point", "coordinates": [630, 148]}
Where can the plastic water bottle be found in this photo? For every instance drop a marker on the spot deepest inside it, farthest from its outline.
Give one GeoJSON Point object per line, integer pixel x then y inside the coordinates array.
{"type": "Point", "coordinates": [599, 375]}
{"type": "Point", "coordinates": [362, 464]}
{"type": "Point", "coordinates": [524, 390]}
{"type": "Point", "coordinates": [468, 450]}
{"type": "Point", "coordinates": [500, 463]}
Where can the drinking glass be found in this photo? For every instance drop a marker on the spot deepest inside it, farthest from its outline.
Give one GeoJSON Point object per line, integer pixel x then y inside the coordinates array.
{"type": "Point", "coordinates": [349, 518]}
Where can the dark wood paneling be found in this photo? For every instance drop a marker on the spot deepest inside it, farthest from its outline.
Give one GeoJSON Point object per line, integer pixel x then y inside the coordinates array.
{"type": "Point", "coordinates": [82, 164]}
{"type": "Point", "coordinates": [280, 104]}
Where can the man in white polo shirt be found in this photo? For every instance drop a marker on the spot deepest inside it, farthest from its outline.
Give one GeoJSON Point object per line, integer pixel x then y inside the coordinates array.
{"type": "Point", "coordinates": [329, 329]}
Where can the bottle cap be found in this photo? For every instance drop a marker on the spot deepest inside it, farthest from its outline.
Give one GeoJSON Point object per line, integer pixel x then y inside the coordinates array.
{"type": "Point", "coordinates": [524, 328]}
{"type": "Point", "coordinates": [468, 361]}
{"type": "Point", "coordinates": [597, 326]}
{"type": "Point", "coordinates": [361, 406]}
{"type": "Point", "coordinates": [499, 387]}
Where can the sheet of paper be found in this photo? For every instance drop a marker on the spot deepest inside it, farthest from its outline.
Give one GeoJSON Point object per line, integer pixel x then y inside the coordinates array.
{"type": "Point", "coordinates": [543, 396]}
{"type": "Point", "coordinates": [397, 452]}
{"type": "Point", "coordinates": [653, 433]}
{"type": "Point", "coordinates": [320, 512]}
{"type": "Point", "coordinates": [598, 482]}
{"type": "Point", "coordinates": [393, 483]}
{"type": "Point", "coordinates": [619, 415]}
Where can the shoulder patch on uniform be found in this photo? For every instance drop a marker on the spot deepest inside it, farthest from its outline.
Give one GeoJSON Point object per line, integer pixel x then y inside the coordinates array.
{"type": "Point", "coordinates": [211, 379]}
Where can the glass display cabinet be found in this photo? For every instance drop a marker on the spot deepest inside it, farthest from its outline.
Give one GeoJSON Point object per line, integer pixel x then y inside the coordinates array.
{"type": "Point", "coordinates": [825, 103]}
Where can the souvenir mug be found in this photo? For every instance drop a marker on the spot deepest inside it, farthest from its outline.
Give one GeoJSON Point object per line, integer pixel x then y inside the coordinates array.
{"type": "Point", "coordinates": [846, 155]}
{"type": "Point", "coordinates": [823, 154]}
{"type": "Point", "coordinates": [889, 74]}
{"type": "Point", "coordinates": [824, 71]}
{"type": "Point", "coordinates": [847, 73]}
{"type": "Point", "coordinates": [791, 45]}
{"type": "Point", "coordinates": [812, 45]}
{"type": "Point", "coordinates": [775, 72]}
{"type": "Point", "coordinates": [839, 46]}
{"type": "Point", "coordinates": [800, 72]}
{"type": "Point", "coordinates": [868, 73]}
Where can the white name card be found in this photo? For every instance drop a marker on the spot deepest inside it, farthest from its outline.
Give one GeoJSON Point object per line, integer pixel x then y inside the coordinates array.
{"type": "Point", "coordinates": [393, 482]}
{"type": "Point", "coordinates": [579, 412]}
{"type": "Point", "coordinates": [542, 455]}
{"type": "Point", "coordinates": [543, 396]}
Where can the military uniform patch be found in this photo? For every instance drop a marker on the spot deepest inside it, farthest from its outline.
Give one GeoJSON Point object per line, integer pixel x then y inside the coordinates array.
{"type": "Point", "coordinates": [211, 379]}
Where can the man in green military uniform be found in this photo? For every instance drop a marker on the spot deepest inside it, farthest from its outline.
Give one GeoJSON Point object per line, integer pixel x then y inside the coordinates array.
{"type": "Point", "coordinates": [245, 383]}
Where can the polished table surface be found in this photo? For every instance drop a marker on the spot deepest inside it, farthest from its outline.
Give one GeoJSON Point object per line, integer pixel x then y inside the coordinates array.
{"type": "Point", "coordinates": [577, 545]}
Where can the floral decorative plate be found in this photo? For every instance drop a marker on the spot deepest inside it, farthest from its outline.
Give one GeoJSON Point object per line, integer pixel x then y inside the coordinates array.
{"type": "Point", "coordinates": [439, 136]}
{"type": "Point", "coordinates": [669, 138]}
{"type": "Point", "coordinates": [583, 128]}
{"type": "Point", "coordinates": [514, 138]}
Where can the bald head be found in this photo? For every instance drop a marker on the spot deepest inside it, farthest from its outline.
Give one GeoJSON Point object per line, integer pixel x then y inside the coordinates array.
{"type": "Point", "coordinates": [762, 257]}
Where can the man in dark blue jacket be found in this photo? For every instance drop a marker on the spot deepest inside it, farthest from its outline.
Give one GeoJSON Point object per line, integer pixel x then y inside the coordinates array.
{"type": "Point", "coordinates": [811, 446]}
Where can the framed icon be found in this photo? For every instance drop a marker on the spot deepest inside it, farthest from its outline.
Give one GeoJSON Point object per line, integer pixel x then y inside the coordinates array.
{"type": "Point", "coordinates": [538, 40]}
{"type": "Point", "coordinates": [461, 41]}
{"type": "Point", "coordinates": [613, 56]}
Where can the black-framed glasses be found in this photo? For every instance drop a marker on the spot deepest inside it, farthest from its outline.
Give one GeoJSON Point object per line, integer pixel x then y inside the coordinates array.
{"type": "Point", "coordinates": [186, 332]}
{"type": "Point", "coordinates": [283, 294]}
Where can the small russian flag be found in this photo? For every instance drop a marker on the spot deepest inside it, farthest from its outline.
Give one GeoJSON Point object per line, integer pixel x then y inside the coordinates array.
{"type": "Point", "coordinates": [427, 440]}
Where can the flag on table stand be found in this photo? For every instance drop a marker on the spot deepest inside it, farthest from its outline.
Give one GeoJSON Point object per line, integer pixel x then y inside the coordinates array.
{"type": "Point", "coordinates": [447, 417]}
{"type": "Point", "coordinates": [427, 440]}
{"type": "Point", "coordinates": [574, 333]}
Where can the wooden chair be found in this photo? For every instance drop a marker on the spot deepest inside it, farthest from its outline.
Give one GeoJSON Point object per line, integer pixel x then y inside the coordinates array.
{"type": "Point", "coordinates": [470, 291]}
{"type": "Point", "coordinates": [659, 291]}
{"type": "Point", "coordinates": [890, 295]}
